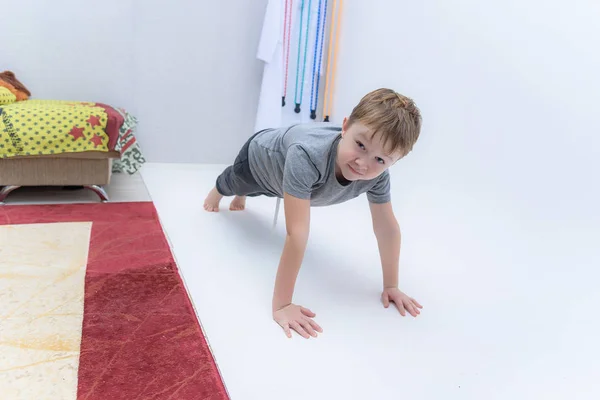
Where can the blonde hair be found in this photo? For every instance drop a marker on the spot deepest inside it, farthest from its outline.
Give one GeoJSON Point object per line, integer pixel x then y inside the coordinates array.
{"type": "Point", "coordinates": [394, 116]}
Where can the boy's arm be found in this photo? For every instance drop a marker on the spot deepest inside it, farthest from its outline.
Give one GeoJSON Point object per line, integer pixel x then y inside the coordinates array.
{"type": "Point", "coordinates": [288, 315]}
{"type": "Point", "coordinates": [387, 232]}
{"type": "Point", "coordinates": [297, 219]}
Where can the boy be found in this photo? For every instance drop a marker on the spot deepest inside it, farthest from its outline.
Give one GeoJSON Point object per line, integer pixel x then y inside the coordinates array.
{"type": "Point", "coordinates": [321, 164]}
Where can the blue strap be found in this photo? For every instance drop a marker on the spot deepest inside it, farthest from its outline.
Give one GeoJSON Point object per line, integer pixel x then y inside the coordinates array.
{"type": "Point", "coordinates": [299, 101]}
{"type": "Point", "coordinates": [314, 96]}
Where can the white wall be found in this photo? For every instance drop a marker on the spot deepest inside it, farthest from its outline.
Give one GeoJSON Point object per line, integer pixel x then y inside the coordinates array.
{"type": "Point", "coordinates": [197, 77]}
{"type": "Point", "coordinates": [186, 69]}
{"type": "Point", "coordinates": [69, 49]}
{"type": "Point", "coordinates": [499, 200]}
{"type": "Point", "coordinates": [509, 92]}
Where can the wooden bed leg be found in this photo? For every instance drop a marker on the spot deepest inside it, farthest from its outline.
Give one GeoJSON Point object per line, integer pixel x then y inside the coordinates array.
{"type": "Point", "coordinates": [5, 191]}
{"type": "Point", "coordinates": [99, 190]}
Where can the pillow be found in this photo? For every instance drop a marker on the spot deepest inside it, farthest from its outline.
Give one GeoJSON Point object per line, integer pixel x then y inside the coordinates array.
{"type": "Point", "coordinates": [6, 96]}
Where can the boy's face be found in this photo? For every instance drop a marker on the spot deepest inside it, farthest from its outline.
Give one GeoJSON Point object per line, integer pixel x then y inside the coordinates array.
{"type": "Point", "coordinates": [361, 156]}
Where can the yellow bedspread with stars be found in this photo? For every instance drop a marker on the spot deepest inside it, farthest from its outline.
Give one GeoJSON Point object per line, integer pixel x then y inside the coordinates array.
{"type": "Point", "coordinates": [46, 127]}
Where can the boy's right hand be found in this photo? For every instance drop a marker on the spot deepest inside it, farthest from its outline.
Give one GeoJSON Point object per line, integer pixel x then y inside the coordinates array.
{"type": "Point", "coordinates": [297, 318]}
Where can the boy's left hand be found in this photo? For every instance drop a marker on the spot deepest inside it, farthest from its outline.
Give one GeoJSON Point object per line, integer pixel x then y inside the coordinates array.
{"type": "Point", "coordinates": [402, 301]}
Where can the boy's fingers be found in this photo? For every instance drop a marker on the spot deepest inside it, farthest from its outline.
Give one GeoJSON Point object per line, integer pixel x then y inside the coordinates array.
{"type": "Point", "coordinates": [316, 326]}
{"type": "Point", "coordinates": [408, 306]}
{"type": "Point", "coordinates": [400, 307]}
{"type": "Point", "coordinates": [416, 303]}
{"type": "Point", "coordinates": [386, 300]}
{"type": "Point", "coordinates": [307, 312]}
{"type": "Point", "coordinates": [411, 309]}
{"type": "Point", "coordinates": [308, 328]}
{"type": "Point", "coordinates": [286, 329]}
{"type": "Point", "coordinates": [299, 329]}
{"type": "Point", "coordinates": [416, 307]}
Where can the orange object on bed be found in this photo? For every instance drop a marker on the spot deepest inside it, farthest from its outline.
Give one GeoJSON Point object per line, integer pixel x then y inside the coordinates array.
{"type": "Point", "coordinates": [10, 81]}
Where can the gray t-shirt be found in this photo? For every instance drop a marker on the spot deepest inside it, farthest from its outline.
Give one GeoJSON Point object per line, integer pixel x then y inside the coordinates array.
{"type": "Point", "coordinates": [300, 160]}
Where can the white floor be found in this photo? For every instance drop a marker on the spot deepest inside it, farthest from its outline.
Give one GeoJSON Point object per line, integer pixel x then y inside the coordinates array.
{"type": "Point", "coordinates": [122, 188]}
{"type": "Point", "coordinates": [510, 303]}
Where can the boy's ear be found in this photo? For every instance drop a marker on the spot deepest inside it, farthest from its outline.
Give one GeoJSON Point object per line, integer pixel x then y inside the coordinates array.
{"type": "Point", "coordinates": [344, 126]}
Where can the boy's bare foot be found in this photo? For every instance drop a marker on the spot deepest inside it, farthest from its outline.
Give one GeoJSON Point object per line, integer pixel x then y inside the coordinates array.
{"type": "Point", "coordinates": [238, 203]}
{"type": "Point", "coordinates": [212, 201]}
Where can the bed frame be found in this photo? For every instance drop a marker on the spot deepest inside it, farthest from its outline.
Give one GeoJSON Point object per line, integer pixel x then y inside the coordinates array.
{"type": "Point", "coordinates": [92, 170]}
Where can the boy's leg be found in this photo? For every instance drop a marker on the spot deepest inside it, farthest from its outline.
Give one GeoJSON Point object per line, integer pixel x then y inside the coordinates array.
{"type": "Point", "coordinates": [225, 186]}
{"type": "Point", "coordinates": [211, 203]}
{"type": "Point", "coordinates": [236, 180]}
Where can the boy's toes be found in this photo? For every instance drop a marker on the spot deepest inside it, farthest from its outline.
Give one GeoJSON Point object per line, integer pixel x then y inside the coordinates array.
{"type": "Point", "coordinates": [238, 204]}
{"type": "Point", "coordinates": [211, 208]}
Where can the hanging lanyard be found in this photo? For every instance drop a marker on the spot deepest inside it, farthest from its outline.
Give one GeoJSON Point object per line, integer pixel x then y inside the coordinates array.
{"type": "Point", "coordinates": [289, 4]}
{"type": "Point", "coordinates": [331, 59]}
{"type": "Point", "coordinates": [297, 99]}
{"type": "Point", "coordinates": [314, 94]}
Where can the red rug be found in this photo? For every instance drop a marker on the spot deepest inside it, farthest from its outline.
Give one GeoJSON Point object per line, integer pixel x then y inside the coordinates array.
{"type": "Point", "coordinates": [140, 338]}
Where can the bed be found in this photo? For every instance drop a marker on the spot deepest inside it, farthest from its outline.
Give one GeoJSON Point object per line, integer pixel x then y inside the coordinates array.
{"type": "Point", "coordinates": [63, 143]}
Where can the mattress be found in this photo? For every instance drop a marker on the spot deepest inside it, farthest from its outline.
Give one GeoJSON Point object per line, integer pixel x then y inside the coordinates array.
{"type": "Point", "coordinates": [48, 127]}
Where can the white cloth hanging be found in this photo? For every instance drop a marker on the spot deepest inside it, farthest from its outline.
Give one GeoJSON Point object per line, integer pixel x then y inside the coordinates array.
{"type": "Point", "coordinates": [270, 51]}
